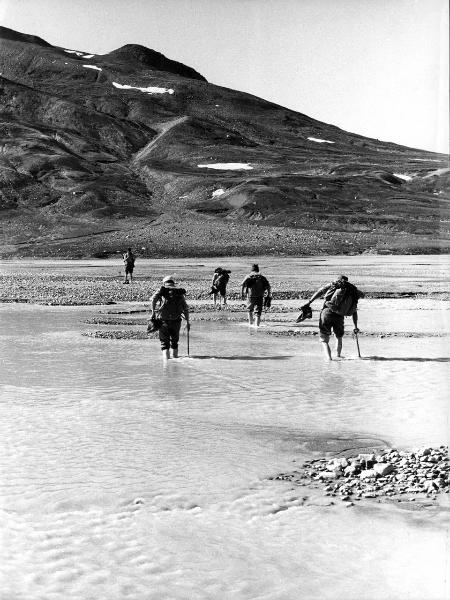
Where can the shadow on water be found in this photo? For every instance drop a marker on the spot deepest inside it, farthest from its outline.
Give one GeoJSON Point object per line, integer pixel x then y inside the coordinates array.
{"type": "Point", "coordinates": [239, 357]}
{"type": "Point", "coordinates": [408, 358]}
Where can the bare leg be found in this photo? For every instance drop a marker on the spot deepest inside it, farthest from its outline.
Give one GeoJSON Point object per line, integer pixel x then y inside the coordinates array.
{"type": "Point", "coordinates": [258, 320]}
{"type": "Point", "coordinates": [327, 350]}
{"type": "Point", "coordinates": [215, 300]}
{"type": "Point", "coordinates": [338, 346]}
{"type": "Point", "coordinates": [166, 354]}
{"type": "Point", "coordinates": [250, 318]}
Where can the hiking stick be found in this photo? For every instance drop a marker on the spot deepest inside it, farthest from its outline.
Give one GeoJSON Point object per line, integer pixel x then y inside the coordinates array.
{"type": "Point", "coordinates": [187, 337]}
{"type": "Point", "coordinates": [357, 343]}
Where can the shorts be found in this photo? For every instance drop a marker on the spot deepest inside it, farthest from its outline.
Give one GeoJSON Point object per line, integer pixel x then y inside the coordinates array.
{"type": "Point", "coordinates": [129, 269]}
{"type": "Point", "coordinates": [169, 334]}
{"type": "Point", "coordinates": [328, 321]}
{"type": "Point", "coordinates": [255, 304]}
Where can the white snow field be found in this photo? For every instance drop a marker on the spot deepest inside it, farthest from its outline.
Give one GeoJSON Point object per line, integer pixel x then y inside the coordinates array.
{"type": "Point", "coordinates": [147, 90]}
{"type": "Point", "coordinates": [227, 166]}
{"type": "Point", "coordinates": [320, 141]}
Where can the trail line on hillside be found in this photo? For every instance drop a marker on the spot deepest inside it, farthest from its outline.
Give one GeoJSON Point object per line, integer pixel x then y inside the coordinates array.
{"type": "Point", "coordinates": [166, 127]}
{"type": "Point", "coordinates": [45, 240]}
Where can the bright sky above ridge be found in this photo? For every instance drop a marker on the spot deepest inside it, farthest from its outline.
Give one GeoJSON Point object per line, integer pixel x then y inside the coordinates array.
{"type": "Point", "coordinates": [374, 67]}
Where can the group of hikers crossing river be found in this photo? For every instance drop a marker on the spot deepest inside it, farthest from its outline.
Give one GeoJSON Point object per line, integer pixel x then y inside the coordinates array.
{"type": "Point", "coordinates": [169, 307]}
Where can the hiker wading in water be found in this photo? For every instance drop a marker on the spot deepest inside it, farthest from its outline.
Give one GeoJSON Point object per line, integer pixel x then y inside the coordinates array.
{"type": "Point", "coordinates": [128, 261]}
{"type": "Point", "coordinates": [341, 300]}
{"type": "Point", "coordinates": [172, 307]}
{"type": "Point", "coordinates": [219, 286]}
{"type": "Point", "coordinates": [254, 287]}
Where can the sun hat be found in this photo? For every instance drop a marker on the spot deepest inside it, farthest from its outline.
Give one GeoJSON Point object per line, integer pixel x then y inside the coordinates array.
{"type": "Point", "coordinates": [342, 278]}
{"type": "Point", "coordinates": [169, 282]}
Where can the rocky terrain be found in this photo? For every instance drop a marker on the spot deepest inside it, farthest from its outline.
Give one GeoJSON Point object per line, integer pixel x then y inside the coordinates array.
{"type": "Point", "coordinates": [130, 148]}
{"type": "Point", "coordinates": [398, 475]}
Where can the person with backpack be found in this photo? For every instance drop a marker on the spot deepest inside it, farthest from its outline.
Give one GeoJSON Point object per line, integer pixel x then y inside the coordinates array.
{"type": "Point", "coordinates": [340, 301]}
{"type": "Point", "coordinates": [172, 306]}
{"type": "Point", "coordinates": [129, 260]}
{"type": "Point", "coordinates": [220, 280]}
{"type": "Point", "coordinates": [256, 289]}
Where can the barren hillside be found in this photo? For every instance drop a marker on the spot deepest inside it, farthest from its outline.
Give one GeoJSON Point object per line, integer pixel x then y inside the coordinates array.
{"type": "Point", "coordinates": [100, 152]}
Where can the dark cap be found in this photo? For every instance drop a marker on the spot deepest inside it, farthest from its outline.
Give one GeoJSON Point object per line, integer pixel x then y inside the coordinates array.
{"type": "Point", "coordinates": [255, 267]}
{"type": "Point", "coordinates": [342, 278]}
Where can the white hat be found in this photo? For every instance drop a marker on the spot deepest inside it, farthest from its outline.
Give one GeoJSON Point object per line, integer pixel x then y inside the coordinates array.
{"type": "Point", "coordinates": [168, 282]}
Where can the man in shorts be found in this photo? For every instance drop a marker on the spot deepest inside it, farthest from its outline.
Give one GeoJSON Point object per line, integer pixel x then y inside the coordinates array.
{"type": "Point", "coordinates": [341, 300]}
{"type": "Point", "coordinates": [254, 287]}
{"type": "Point", "coordinates": [128, 261]}
{"type": "Point", "coordinates": [219, 284]}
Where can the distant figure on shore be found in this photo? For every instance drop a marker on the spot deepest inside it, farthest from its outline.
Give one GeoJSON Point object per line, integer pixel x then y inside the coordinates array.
{"type": "Point", "coordinates": [129, 260]}
{"type": "Point", "coordinates": [219, 284]}
{"type": "Point", "coordinates": [341, 300]}
{"type": "Point", "coordinates": [256, 289]}
{"type": "Point", "coordinates": [172, 307]}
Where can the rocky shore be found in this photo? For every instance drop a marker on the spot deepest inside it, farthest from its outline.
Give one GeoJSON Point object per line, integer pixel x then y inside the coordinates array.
{"type": "Point", "coordinates": [390, 473]}
{"type": "Point", "coordinates": [45, 287]}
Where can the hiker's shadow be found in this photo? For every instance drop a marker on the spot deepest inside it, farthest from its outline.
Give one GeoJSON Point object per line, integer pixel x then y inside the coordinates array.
{"type": "Point", "coordinates": [441, 359]}
{"type": "Point", "coordinates": [238, 357]}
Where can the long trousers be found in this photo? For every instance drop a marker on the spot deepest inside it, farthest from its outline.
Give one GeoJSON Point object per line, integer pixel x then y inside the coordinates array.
{"type": "Point", "coordinates": [169, 334]}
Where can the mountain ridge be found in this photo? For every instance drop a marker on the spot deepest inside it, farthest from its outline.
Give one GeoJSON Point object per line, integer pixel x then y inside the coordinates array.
{"type": "Point", "coordinates": [175, 165]}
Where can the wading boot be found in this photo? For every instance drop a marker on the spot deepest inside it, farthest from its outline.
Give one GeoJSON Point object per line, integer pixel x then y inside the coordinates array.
{"type": "Point", "coordinates": [174, 352]}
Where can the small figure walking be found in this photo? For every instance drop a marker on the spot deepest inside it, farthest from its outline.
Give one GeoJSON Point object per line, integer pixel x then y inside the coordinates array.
{"type": "Point", "coordinates": [254, 287]}
{"type": "Point", "coordinates": [172, 307]}
{"type": "Point", "coordinates": [129, 260]}
{"type": "Point", "coordinates": [340, 300]}
{"type": "Point", "coordinates": [219, 284]}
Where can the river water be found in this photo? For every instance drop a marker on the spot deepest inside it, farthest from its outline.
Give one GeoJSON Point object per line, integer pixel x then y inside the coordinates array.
{"type": "Point", "coordinates": [126, 478]}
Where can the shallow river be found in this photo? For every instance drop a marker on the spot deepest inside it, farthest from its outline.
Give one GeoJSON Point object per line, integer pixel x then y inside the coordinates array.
{"type": "Point", "coordinates": [124, 478]}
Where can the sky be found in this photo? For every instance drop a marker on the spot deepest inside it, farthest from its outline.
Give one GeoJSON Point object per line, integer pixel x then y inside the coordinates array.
{"type": "Point", "coordinates": [378, 68]}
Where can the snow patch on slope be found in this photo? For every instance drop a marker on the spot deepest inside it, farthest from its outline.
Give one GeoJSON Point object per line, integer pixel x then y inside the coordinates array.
{"type": "Point", "coordinates": [74, 52]}
{"type": "Point", "coordinates": [92, 67]}
{"type": "Point", "coordinates": [320, 140]}
{"type": "Point", "coordinates": [147, 90]}
{"type": "Point", "coordinates": [227, 166]}
{"type": "Point", "coordinates": [401, 176]}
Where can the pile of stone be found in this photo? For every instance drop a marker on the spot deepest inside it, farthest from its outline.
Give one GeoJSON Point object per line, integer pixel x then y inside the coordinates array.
{"type": "Point", "coordinates": [389, 473]}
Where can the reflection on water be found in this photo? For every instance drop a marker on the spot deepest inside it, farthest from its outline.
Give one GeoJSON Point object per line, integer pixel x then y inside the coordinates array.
{"type": "Point", "coordinates": [124, 478]}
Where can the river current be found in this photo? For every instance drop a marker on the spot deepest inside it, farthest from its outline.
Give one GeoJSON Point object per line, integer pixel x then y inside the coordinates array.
{"type": "Point", "coordinates": [126, 478]}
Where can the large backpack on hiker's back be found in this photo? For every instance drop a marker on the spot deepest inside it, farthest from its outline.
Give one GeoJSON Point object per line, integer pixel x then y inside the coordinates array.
{"type": "Point", "coordinates": [222, 280]}
{"type": "Point", "coordinates": [343, 299]}
{"type": "Point", "coordinates": [258, 284]}
{"type": "Point", "coordinates": [173, 303]}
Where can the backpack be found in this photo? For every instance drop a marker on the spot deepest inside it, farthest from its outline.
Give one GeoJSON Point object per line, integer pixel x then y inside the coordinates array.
{"type": "Point", "coordinates": [343, 298]}
{"type": "Point", "coordinates": [222, 279]}
{"type": "Point", "coordinates": [173, 303]}
{"type": "Point", "coordinates": [258, 284]}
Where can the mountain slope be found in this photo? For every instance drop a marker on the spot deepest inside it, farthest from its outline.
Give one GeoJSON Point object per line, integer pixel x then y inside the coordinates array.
{"type": "Point", "coordinates": [130, 148]}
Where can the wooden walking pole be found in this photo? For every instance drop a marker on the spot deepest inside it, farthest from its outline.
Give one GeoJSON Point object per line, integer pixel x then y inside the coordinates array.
{"type": "Point", "coordinates": [187, 332]}
{"type": "Point", "coordinates": [357, 343]}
